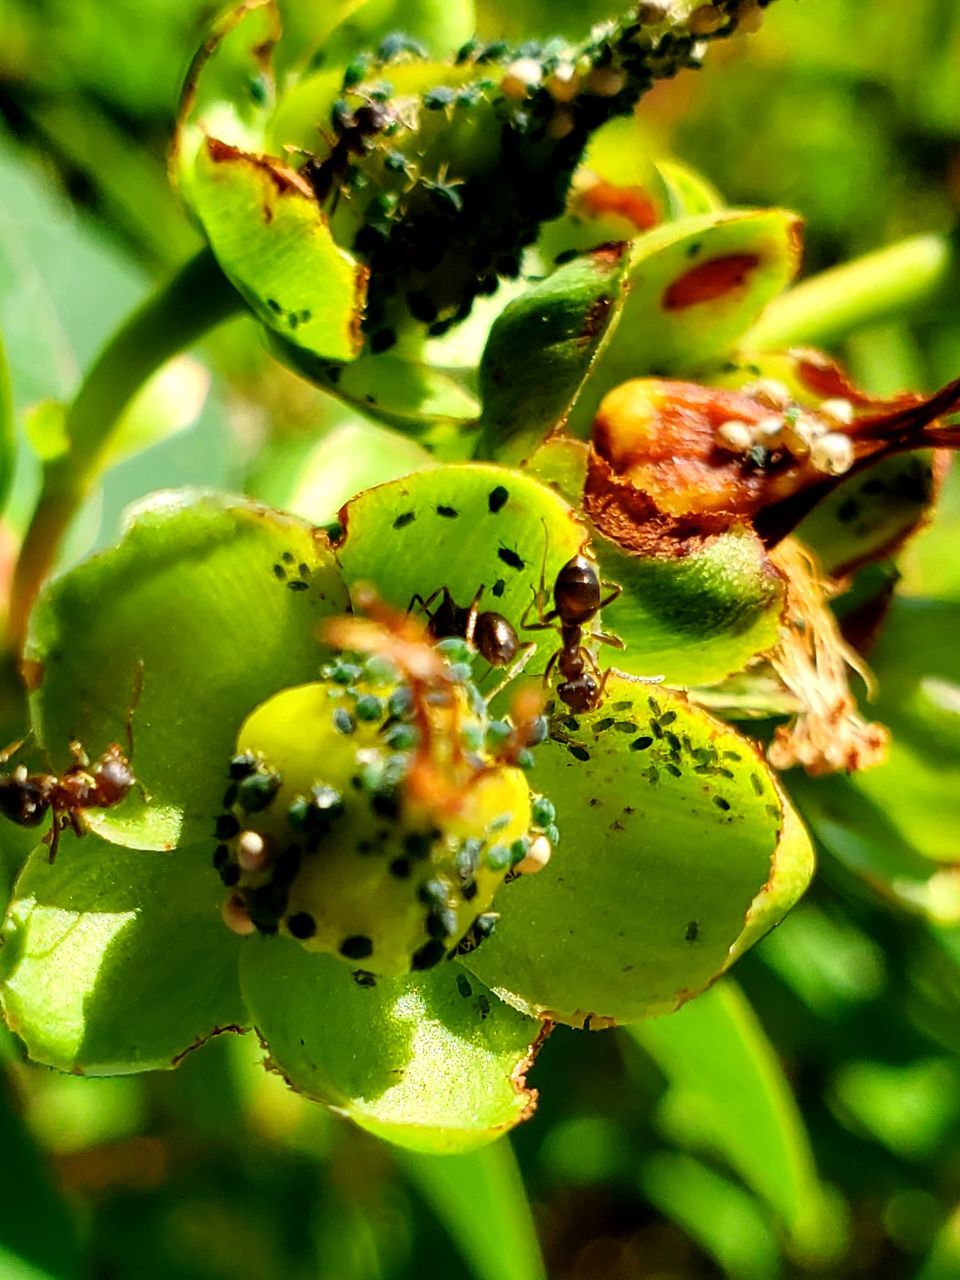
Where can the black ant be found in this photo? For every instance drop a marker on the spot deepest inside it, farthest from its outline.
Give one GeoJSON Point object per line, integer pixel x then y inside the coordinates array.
{"type": "Point", "coordinates": [577, 599]}
{"type": "Point", "coordinates": [25, 798]}
{"type": "Point", "coordinates": [493, 637]}
{"type": "Point", "coordinates": [353, 129]}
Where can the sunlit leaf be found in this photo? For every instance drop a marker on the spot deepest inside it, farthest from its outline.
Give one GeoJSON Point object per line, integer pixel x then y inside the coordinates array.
{"type": "Point", "coordinates": [409, 394]}
{"type": "Point", "coordinates": [463, 527]}
{"type": "Point", "coordinates": [193, 608]}
{"type": "Point", "coordinates": [273, 242]}
{"type": "Point", "coordinates": [694, 288]}
{"type": "Point", "coordinates": [542, 347]}
{"type": "Point", "coordinates": [674, 849]}
{"type": "Point", "coordinates": [116, 960]}
{"type": "Point", "coordinates": [353, 456]}
{"type": "Point", "coordinates": [433, 1062]}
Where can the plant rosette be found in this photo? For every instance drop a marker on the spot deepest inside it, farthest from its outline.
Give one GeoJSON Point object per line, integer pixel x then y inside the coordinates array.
{"type": "Point", "coordinates": [346, 835]}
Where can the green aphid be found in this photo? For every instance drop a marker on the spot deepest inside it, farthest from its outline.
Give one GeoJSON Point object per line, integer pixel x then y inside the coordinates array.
{"type": "Point", "coordinates": [255, 792]}
{"type": "Point", "coordinates": [369, 707]}
{"type": "Point", "coordinates": [543, 811]}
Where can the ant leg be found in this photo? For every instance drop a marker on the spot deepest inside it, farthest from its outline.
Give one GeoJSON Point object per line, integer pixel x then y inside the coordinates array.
{"type": "Point", "coordinates": [526, 653]}
{"type": "Point", "coordinates": [603, 637]}
{"type": "Point", "coordinates": [472, 613]}
{"type": "Point", "coordinates": [603, 684]}
{"type": "Point", "coordinates": [615, 591]}
{"type": "Point", "coordinates": [52, 838]}
{"type": "Point", "coordinates": [546, 622]}
{"type": "Point", "coordinates": [134, 703]}
{"type": "Point", "coordinates": [550, 665]}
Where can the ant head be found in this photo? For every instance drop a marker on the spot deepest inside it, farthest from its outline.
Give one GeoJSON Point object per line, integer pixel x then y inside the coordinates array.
{"type": "Point", "coordinates": [580, 694]}
{"type": "Point", "coordinates": [576, 592]}
{"type": "Point", "coordinates": [113, 777]}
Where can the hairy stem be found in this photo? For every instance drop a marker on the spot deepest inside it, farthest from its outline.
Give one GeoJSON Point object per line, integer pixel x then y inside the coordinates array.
{"type": "Point", "coordinates": [914, 275]}
{"type": "Point", "coordinates": [194, 301]}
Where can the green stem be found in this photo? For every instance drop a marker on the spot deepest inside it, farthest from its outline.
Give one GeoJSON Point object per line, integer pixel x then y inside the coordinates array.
{"type": "Point", "coordinates": [194, 301]}
{"type": "Point", "coordinates": [893, 282]}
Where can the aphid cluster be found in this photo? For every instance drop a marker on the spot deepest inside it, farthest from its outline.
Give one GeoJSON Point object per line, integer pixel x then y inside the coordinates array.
{"type": "Point", "coordinates": [374, 814]}
{"type": "Point", "coordinates": [438, 232]}
{"type": "Point", "coordinates": [791, 431]}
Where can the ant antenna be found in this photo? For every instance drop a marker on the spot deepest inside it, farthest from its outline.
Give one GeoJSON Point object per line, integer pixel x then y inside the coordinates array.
{"type": "Point", "coordinates": [134, 700]}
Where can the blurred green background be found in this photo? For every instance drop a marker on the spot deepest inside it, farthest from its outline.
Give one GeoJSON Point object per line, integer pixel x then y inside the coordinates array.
{"type": "Point", "coordinates": [649, 1157]}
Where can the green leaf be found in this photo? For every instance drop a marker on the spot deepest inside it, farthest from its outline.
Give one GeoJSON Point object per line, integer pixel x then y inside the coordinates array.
{"type": "Point", "coordinates": [906, 850]}
{"type": "Point", "coordinates": [542, 348]}
{"type": "Point", "coordinates": [432, 1061]}
{"type": "Point", "coordinates": [870, 514]}
{"type": "Point", "coordinates": [352, 457]}
{"type": "Point", "coordinates": [273, 242]}
{"type": "Point", "coordinates": [38, 1236]}
{"type": "Point", "coordinates": [674, 301]}
{"type": "Point", "coordinates": [195, 603]}
{"type": "Point", "coordinates": [694, 288]}
{"type": "Point", "coordinates": [723, 1219]}
{"type": "Point", "coordinates": [228, 91]}
{"type": "Point", "coordinates": [659, 880]}
{"type": "Point", "coordinates": [693, 618]}
{"type": "Point", "coordinates": [716, 1056]}
{"type": "Point", "coordinates": [8, 440]}
{"type": "Point", "coordinates": [461, 526]}
{"type": "Point", "coordinates": [114, 960]}
{"type": "Point", "coordinates": [481, 1200]}
{"type": "Point", "coordinates": [689, 193]}
{"type": "Point", "coordinates": [943, 1260]}
{"type": "Point", "coordinates": [404, 392]}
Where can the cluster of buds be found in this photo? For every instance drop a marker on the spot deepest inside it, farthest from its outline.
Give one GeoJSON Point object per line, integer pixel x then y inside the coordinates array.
{"type": "Point", "coordinates": [790, 429]}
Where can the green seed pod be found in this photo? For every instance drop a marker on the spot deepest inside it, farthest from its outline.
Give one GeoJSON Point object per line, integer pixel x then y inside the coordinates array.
{"type": "Point", "coordinates": [370, 821]}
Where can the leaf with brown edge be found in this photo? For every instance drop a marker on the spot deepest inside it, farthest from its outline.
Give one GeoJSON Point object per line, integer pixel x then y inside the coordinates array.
{"type": "Point", "coordinates": [542, 348]}
{"type": "Point", "coordinates": [662, 442]}
{"type": "Point", "coordinates": [432, 1061]}
{"type": "Point", "coordinates": [116, 960]}
{"type": "Point", "coordinates": [676, 853]}
{"type": "Point", "coordinates": [694, 288]}
{"type": "Point", "coordinates": [228, 89]}
{"type": "Point", "coordinates": [274, 243]}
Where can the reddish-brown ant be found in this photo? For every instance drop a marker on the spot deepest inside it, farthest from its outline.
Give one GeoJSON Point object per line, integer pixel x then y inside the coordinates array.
{"type": "Point", "coordinates": [577, 599]}
{"type": "Point", "coordinates": [26, 798]}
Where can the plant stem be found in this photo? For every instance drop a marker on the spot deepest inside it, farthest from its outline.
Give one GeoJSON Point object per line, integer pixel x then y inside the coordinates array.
{"type": "Point", "coordinates": [892, 282]}
{"type": "Point", "coordinates": [197, 298]}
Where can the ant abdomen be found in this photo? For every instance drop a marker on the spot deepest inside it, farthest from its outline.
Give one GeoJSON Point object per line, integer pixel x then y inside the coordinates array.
{"type": "Point", "coordinates": [24, 800]}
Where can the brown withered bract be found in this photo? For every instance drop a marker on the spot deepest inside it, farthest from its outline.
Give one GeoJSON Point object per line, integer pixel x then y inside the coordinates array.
{"type": "Point", "coordinates": [661, 470]}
